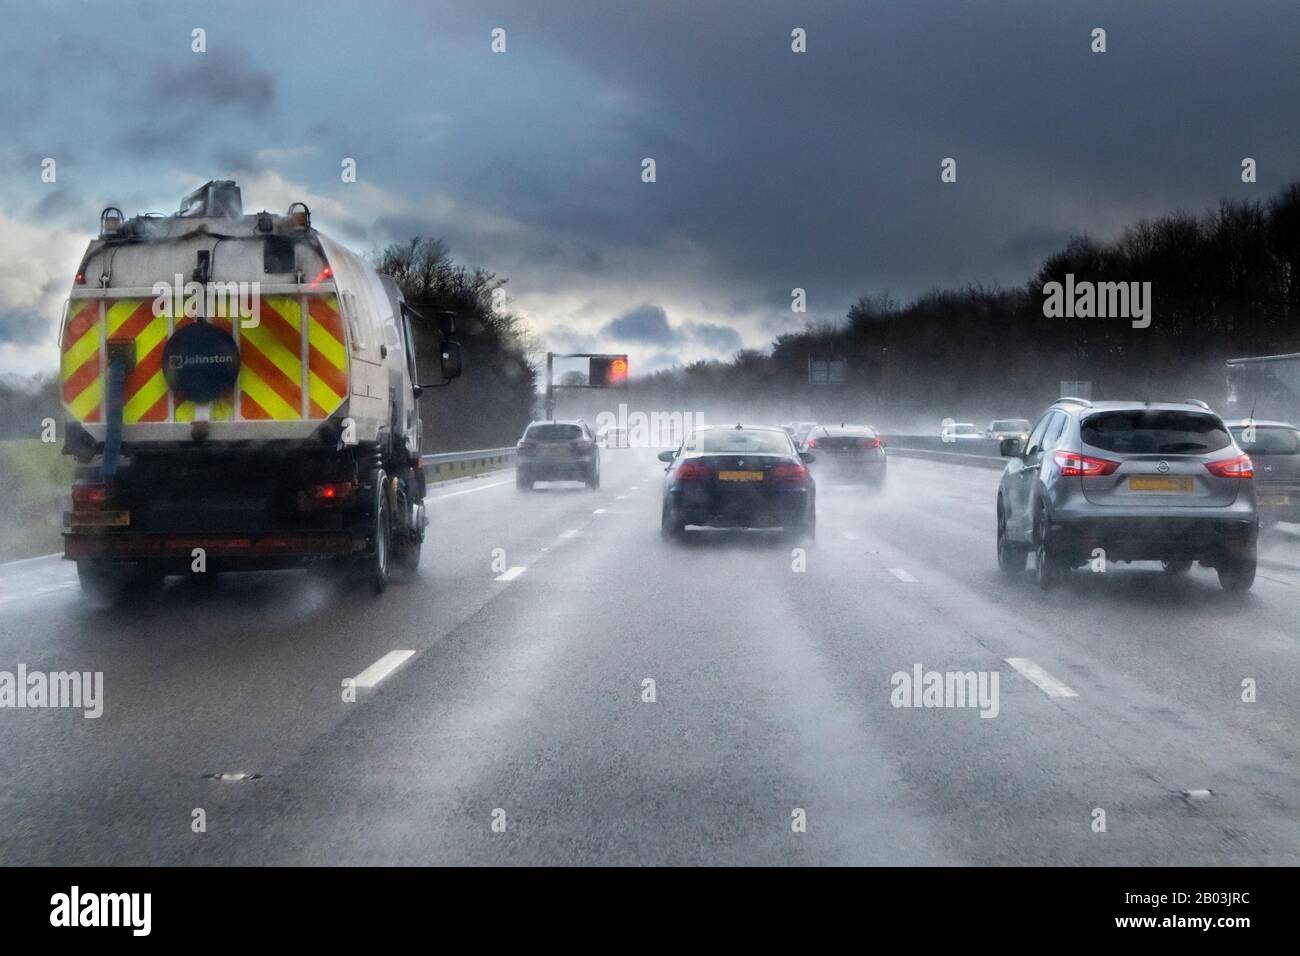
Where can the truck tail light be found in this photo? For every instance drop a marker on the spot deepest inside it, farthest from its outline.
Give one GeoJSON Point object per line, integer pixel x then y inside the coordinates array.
{"type": "Point", "coordinates": [89, 496]}
{"type": "Point", "coordinates": [329, 492]}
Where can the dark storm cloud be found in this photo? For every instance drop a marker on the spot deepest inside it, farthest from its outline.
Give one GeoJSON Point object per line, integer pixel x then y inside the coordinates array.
{"type": "Point", "coordinates": [217, 81]}
{"type": "Point", "coordinates": [721, 338]}
{"type": "Point", "coordinates": [822, 169]}
{"type": "Point", "coordinates": [648, 325]}
{"type": "Point", "coordinates": [644, 324]}
{"type": "Point", "coordinates": [20, 326]}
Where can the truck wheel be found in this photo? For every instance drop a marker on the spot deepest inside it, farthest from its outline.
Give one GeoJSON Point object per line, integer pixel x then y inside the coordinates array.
{"type": "Point", "coordinates": [381, 551]}
{"type": "Point", "coordinates": [104, 582]}
{"type": "Point", "coordinates": [408, 553]}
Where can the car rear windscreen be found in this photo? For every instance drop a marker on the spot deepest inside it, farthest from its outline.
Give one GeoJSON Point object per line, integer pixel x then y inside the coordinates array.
{"type": "Point", "coordinates": [1155, 432]}
{"type": "Point", "coordinates": [1269, 441]}
{"type": "Point", "coordinates": [553, 433]}
{"type": "Point", "coordinates": [734, 442]}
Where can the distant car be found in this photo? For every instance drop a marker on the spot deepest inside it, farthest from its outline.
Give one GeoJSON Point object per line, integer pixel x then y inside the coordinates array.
{"type": "Point", "coordinates": [738, 477]}
{"type": "Point", "coordinates": [801, 432]}
{"type": "Point", "coordinates": [1142, 481]}
{"type": "Point", "coordinates": [1008, 428]}
{"type": "Point", "coordinates": [1274, 447]}
{"type": "Point", "coordinates": [612, 437]}
{"type": "Point", "coordinates": [849, 452]}
{"type": "Point", "coordinates": [958, 431]}
{"type": "Point", "coordinates": [557, 451]}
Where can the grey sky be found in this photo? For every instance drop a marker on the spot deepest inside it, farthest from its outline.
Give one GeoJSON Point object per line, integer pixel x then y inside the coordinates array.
{"type": "Point", "coordinates": [775, 169]}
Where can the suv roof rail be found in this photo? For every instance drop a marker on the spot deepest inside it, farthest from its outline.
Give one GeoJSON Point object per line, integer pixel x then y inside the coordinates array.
{"type": "Point", "coordinates": [1197, 402]}
{"type": "Point", "coordinates": [1073, 400]}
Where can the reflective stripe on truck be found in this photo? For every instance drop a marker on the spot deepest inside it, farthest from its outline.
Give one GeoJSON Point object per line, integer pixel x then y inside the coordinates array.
{"type": "Point", "coordinates": [290, 369]}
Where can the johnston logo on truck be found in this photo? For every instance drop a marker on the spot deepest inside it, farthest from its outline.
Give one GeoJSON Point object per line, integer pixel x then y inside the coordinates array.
{"type": "Point", "coordinates": [241, 385]}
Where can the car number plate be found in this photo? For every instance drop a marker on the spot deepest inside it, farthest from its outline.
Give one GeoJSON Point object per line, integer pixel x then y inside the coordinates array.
{"type": "Point", "coordinates": [1158, 483]}
{"type": "Point", "coordinates": [1274, 499]}
{"type": "Point", "coordinates": [554, 452]}
{"type": "Point", "coordinates": [740, 476]}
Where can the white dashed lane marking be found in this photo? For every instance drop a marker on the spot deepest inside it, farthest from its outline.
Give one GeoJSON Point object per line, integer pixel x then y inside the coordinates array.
{"type": "Point", "coordinates": [467, 491]}
{"type": "Point", "coordinates": [510, 573]}
{"type": "Point", "coordinates": [381, 668]}
{"type": "Point", "coordinates": [902, 575]}
{"type": "Point", "coordinates": [599, 511]}
{"type": "Point", "coordinates": [1045, 682]}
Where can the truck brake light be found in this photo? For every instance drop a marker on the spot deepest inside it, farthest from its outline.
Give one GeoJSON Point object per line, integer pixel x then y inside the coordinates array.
{"type": "Point", "coordinates": [330, 491]}
{"type": "Point", "coordinates": [86, 497]}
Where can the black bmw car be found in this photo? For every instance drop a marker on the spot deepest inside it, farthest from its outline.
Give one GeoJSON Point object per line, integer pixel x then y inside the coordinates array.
{"type": "Point", "coordinates": [739, 477]}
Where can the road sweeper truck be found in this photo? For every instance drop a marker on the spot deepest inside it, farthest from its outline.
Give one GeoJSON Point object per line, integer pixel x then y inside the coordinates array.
{"type": "Point", "coordinates": [241, 393]}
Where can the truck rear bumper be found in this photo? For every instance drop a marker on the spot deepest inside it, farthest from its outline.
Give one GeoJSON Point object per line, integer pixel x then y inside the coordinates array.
{"type": "Point", "coordinates": [142, 547]}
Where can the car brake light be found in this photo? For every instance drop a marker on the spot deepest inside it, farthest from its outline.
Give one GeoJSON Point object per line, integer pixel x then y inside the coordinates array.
{"type": "Point", "coordinates": [789, 471]}
{"type": "Point", "coordinates": [692, 471]}
{"type": "Point", "coordinates": [584, 445]}
{"type": "Point", "coordinates": [1072, 464]}
{"type": "Point", "coordinates": [1239, 467]}
{"type": "Point", "coordinates": [89, 496]}
{"type": "Point", "coordinates": [812, 443]}
{"type": "Point", "coordinates": [875, 442]}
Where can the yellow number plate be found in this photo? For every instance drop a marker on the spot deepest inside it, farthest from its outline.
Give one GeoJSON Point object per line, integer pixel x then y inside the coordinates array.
{"type": "Point", "coordinates": [1154, 483]}
{"type": "Point", "coordinates": [99, 519]}
{"type": "Point", "coordinates": [740, 476]}
{"type": "Point", "coordinates": [1274, 499]}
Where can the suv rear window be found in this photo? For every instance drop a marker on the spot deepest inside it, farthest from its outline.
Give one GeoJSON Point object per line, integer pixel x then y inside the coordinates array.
{"type": "Point", "coordinates": [1155, 432]}
{"type": "Point", "coordinates": [553, 432]}
{"type": "Point", "coordinates": [1269, 441]}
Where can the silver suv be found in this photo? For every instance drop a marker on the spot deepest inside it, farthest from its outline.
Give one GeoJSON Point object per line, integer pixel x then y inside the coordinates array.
{"type": "Point", "coordinates": [1143, 481]}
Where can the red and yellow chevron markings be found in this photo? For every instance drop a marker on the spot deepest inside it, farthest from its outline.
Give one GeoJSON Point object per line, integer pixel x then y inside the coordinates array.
{"type": "Point", "coordinates": [79, 368]}
{"type": "Point", "coordinates": [327, 372]}
{"type": "Point", "coordinates": [273, 383]}
{"type": "Point", "coordinates": [145, 394]}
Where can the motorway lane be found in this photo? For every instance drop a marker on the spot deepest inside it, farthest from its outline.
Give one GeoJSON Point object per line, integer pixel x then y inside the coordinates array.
{"type": "Point", "coordinates": [772, 694]}
{"type": "Point", "coordinates": [237, 675]}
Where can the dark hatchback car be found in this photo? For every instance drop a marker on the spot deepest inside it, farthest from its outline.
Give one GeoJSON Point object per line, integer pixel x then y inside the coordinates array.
{"type": "Point", "coordinates": [848, 453]}
{"type": "Point", "coordinates": [557, 451]}
{"type": "Point", "coordinates": [1274, 447]}
{"type": "Point", "coordinates": [739, 477]}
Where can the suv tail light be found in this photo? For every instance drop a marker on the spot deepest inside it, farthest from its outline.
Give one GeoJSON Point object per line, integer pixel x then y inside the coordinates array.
{"type": "Point", "coordinates": [89, 496]}
{"type": "Point", "coordinates": [875, 442]}
{"type": "Point", "coordinates": [789, 471]}
{"type": "Point", "coordinates": [1239, 467]}
{"type": "Point", "coordinates": [1072, 464]}
{"type": "Point", "coordinates": [693, 471]}
{"type": "Point", "coordinates": [583, 444]}
{"type": "Point", "coordinates": [812, 443]}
